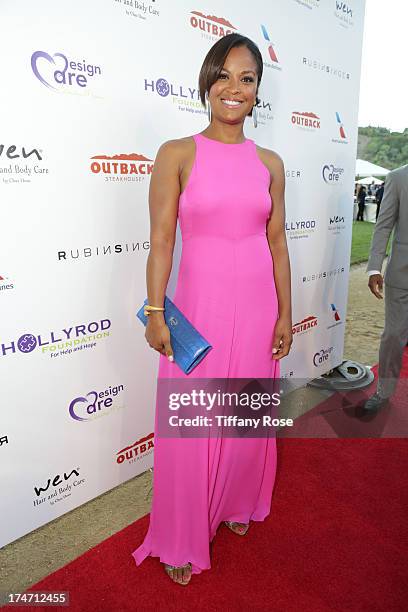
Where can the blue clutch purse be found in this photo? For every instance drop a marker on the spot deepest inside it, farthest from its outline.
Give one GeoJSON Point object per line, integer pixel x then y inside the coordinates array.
{"type": "Point", "coordinates": [189, 346]}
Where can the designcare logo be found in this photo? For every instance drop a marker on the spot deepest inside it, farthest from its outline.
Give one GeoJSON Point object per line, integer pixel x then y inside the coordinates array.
{"type": "Point", "coordinates": [323, 275]}
{"type": "Point", "coordinates": [96, 404]}
{"type": "Point", "coordinates": [58, 487]}
{"type": "Point", "coordinates": [322, 357]}
{"type": "Point", "coordinates": [334, 316]}
{"type": "Point", "coordinates": [60, 73]}
{"type": "Point", "coordinates": [65, 342]}
{"type": "Point", "coordinates": [211, 26]}
{"type": "Point", "coordinates": [136, 451]}
{"type": "Point", "coordinates": [331, 174]}
{"type": "Point", "coordinates": [5, 283]}
{"type": "Point", "coordinates": [306, 325]}
{"type": "Point", "coordinates": [300, 228]}
{"type": "Point", "coordinates": [341, 137]}
{"type": "Point", "coordinates": [22, 163]}
{"type": "Point", "coordinates": [344, 14]}
{"type": "Point", "coordinates": [307, 121]}
{"type": "Point", "coordinates": [328, 69]}
{"type": "Point", "coordinates": [271, 50]}
{"type": "Point", "coordinates": [122, 167]}
{"type": "Point", "coordinates": [187, 99]}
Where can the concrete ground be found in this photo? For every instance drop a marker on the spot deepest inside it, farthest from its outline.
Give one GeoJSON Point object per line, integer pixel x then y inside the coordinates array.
{"type": "Point", "coordinates": [34, 556]}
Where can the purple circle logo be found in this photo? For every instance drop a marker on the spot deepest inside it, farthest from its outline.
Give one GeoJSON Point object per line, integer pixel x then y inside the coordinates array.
{"type": "Point", "coordinates": [26, 343]}
{"type": "Point", "coordinates": [162, 87]}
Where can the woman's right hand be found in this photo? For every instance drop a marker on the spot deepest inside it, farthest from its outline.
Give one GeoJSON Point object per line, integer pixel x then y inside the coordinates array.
{"type": "Point", "coordinates": [158, 335]}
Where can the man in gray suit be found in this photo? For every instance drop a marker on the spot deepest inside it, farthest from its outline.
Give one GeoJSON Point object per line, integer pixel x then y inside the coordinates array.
{"type": "Point", "coordinates": [393, 215]}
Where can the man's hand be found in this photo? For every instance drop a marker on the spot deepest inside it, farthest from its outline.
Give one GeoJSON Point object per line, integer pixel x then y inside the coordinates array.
{"type": "Point", "coordinates": [375, 282]}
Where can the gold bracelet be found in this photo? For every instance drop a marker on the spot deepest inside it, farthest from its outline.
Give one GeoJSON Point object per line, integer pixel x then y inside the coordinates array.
{"type": "Point", "coordinates": [148, 309]}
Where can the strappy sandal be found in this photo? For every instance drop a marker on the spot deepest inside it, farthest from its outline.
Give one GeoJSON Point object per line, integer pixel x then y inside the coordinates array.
{"type": "Point", "coordinates": [230, 525]}
{"type": "Point", "coordinates": [170, 568]}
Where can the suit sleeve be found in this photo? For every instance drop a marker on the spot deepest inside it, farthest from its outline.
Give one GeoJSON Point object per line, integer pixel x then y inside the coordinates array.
{"type": "Point", "coordinates": [386, 220]}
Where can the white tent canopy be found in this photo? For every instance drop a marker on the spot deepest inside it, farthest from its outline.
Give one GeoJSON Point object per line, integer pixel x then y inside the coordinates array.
{"type": "Point", "coordinates": [365, 168]}
{"type": "Point", "coordinates": [368, 180]}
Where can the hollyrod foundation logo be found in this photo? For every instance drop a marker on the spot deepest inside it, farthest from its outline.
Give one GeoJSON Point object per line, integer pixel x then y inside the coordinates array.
{"type": "Point", "coordinates": [122, 167]}
{"type": "Point", "coordinates": [136, 451]}
{"type": "Point", "coordinates": [5, 283]}
{"type": "Point", "coordinates": [321, 358]}
{"type": "Point", "coordinates": [124, 248]}
{"type": "Point", "coordinates": [185, 98]}
{"type": "Point", "coordinates": [306, 121]}
{"type": "Point", "coordinates": [96, 404]}
{"type": "Point", "coordinates": [57, 488]}
{"type": "Point", "coordinates": [344, 14]}
{"type": "Point", "coordinates": [332, 174]}
{"type": "Point", "coordinates": [322, 275]}
{"type": "Point", "coordinates": [341, 138]}
{"type": "Point", "coordinates": [305, 325]}
{"type": "Point", "coordinates": [300, 228]}
{"type": "Point", "coordinates": [271, 50]}
{"type": "Point", "coordinates": [24, 163]}
{"type": "Point", "coordinates": [65, 342]}
{"type": "Point", "coordinates": [327, 69]}
{"type": "Point", "coordinates": [211, 26]}
{"type": "Point", "coordinates": [335, 317]}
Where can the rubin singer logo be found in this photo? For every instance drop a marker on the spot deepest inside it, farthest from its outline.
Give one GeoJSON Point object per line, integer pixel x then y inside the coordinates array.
{"type": "Point", "coordinates": [58, 71]}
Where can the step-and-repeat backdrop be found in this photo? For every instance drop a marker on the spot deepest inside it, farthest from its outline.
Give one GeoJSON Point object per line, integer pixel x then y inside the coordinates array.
{"type": "Point", "coordinates": [89, 92]}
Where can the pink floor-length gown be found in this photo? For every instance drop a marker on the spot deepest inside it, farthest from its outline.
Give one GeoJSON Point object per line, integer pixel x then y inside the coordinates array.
{"type": "Point", "coordinates": [226, 289]}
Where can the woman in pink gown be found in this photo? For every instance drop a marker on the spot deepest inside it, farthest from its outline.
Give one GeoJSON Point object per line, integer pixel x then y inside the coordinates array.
{"type": "Point", "coordinates": [234, 286]}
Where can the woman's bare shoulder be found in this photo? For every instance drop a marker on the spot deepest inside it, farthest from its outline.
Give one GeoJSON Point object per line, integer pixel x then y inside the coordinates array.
{"type": "Point", "coordinates": [270, 158]}
{"type": "Point", "coordinates": [177, 149]}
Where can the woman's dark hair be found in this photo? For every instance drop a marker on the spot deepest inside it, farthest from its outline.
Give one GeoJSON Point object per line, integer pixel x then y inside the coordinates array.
{"type": "Point", "coordinates": [215, 59]}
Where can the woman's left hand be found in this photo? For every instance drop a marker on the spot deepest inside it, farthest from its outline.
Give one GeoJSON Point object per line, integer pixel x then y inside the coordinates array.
{"type": "Point", "coordinates": [282, 338]}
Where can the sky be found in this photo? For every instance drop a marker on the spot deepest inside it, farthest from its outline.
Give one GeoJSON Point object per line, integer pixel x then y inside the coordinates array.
{"type": "Point", "coordinates": [384, 88]}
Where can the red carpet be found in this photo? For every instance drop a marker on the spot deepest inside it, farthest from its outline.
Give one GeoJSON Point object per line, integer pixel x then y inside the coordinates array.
{"type": "Point", "coordinates": [336, 539]}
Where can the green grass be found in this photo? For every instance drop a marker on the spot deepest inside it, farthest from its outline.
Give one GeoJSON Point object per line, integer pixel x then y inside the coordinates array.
{"type": "Point", "coordinates": [361, 241]}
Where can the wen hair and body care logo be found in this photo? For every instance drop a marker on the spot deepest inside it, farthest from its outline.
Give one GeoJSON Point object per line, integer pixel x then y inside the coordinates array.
{"type": "Point", "coordinates": [210, 26]}
{"type": "Point", "coordinates": [131, 167]}
{"type": "Point", "coordinates": [344, 13]}
{"type": "Point", "coordinates": [60, 73]}
{"type": "Point", "coordinates": [96, 404]}
{"type": "Point", "coordinates": [57, 488]}
{"type": "Point", "coordinates": [19, 164]}
{"type": "Point", "coordinates": [141, 10]}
